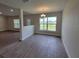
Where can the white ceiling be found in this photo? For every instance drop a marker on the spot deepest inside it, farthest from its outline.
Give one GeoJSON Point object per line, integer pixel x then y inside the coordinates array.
{"type": "Point", "coordinates": [6, 10]}
{"type": "Point", "coordinates": [37, 6]}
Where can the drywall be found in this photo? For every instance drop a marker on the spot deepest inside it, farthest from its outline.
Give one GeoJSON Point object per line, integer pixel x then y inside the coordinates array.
{"type": "Point", "coordinates": [6, 23]}
{"type": "Point", "coordinates": [27, 31]}
{"type": "Point", "coordinates": [35, 21]}
{"type": "Point", "coordinates": [26, 18]}
{"type": "Point", "coordinates": [10, 22]}
{"type": "Point", "coordinates": [3, 23]}
{"type": "Point", "coordinates": [70, 28]}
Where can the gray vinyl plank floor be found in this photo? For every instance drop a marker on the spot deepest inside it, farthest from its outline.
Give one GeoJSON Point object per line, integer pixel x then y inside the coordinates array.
{"type": "Point", "coordinates": [36, 46]}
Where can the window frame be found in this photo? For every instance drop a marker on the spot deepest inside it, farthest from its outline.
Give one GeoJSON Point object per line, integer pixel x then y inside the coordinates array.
{"type": "Point", "coordinates": [47, 25]}
{"type": "Point", "coordinates": [14, 24]}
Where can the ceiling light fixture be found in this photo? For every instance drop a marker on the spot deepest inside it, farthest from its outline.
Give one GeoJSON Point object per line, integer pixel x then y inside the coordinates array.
{"type": "Point", "coordinates": [11, 10]}
{"type": "Point", "coordinates": [0, 12]}
{"type": "Point", "coordinates": [43, 15]}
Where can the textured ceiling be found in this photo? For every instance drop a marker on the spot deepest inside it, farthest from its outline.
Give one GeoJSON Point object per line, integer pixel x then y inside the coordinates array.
{"type": "Point", "coordinates": [37, 6]}
{"type": "Point", "coordinates": [6, 10]}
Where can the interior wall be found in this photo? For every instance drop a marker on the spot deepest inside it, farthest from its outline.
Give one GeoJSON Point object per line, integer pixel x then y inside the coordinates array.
{"type": "Point", "coordinates": [26, 17]}
{"type": "Point", "coordinates": [10, 22]}
{"type": "Point", "coordinates": [27, 31]}
{"type": "Point", "coordinates": [70, 28]}
{"type": "Point", "coordinates": [3, 23]}
{"type": "Point", "coordinates": [35, 21]}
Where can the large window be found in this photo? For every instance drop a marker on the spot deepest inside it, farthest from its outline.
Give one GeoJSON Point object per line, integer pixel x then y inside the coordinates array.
{"type": "Point", "coordinates": [16, 23]}
{"type": "Point", "coordinates": [48, 23]}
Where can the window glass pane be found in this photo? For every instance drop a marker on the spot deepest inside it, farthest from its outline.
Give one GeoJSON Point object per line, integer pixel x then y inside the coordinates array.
{"type": "Point", "coordinates": [43, 23]}
{"type": "Point", "coordinates": [52, 23]}
{"type": "Point", "coordinates": [48, 24]}
{"type": "Point", "coordinates": [16, 23]}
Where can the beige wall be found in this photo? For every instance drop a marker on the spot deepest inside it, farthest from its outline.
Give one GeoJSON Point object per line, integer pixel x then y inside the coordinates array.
{"type": "Point", "coordinates": [6, 23]}
{"type": "Point", "coordinates": [31, 17]}
{"type": "Point", "coordinates": [10, 22]}
{"type": "Point", "coordinates": [70, 29]}
{"type": "Point", "coordinates": [3, 23]}
{"type": "Point", "coordinates": [35, 22]}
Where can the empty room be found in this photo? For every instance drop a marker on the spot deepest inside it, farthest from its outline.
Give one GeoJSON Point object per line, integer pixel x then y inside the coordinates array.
{"type": "Point", "coordinates": [39, 28]}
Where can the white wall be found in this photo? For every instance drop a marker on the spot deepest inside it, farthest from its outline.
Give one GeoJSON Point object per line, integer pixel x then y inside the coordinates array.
{"type": "Point", "coordinates": [27, 31]}
{"type": "Point", "coordinates": [3, 23]}
{"type": "Point", "coordinates": [70, 28]}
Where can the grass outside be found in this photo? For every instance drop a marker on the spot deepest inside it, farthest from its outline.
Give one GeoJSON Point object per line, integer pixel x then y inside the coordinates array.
{"type": "Point", "coordinates": [51, 27]}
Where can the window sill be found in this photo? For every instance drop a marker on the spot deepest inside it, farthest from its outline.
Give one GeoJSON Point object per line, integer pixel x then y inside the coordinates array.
{"type": "Point", "coordinates": [46, 31]}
